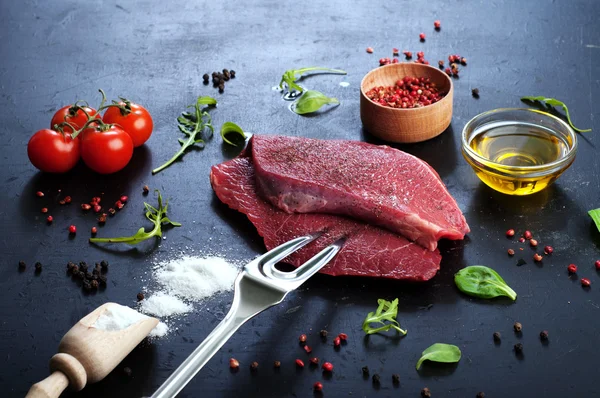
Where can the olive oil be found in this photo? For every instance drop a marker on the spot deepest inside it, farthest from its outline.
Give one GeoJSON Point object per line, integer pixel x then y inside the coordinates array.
{"type": "Point", "coordinates": [509, 144]}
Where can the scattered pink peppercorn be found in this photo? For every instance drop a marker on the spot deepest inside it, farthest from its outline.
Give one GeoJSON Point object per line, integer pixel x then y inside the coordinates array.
{"type": "Point", "coordinates": [234, 363]}
{"type": "Point", "coordinates": [510, 232]}
{"type": "Point", "coordinates": [302, 338]}
{"type": "Point", "coordinates": [448, 71]}
{"type": "Point", "coordinates": [68, 199]}
{"type": "Point", "coordinates": [85, 207]}
{"type": "Point", "coordinates": [585, 282]}
{"type": "Point", "coordinates": [521, 239]}
{"type": "Point", "coordinates": [336, 342]}
{"type": "Point", "coordinates": [420, 54]}
{"type": "Point", "coordinates": [395, 51]}
{"type": "Point", "coordinates": [533, 242]}
{"type": "Point", "coordinates": [527, 235]}
{"type": "Point", "coordinates": [97, 208]}
{"type": "Point", "coordinates": [119, 205]}
{"type": "Point", "coordinates": [537, 257]}
{"type": "Point", "coordinates": [318, 386]}
{"type": "Point", "coordinates": [124, 199]}
{"type": "Point", "coordinates": [327, 366]}
{"type": "Point", "coordinates": [44, 210]}
{"type": "Point", "coordinates": [39, 194]}
{"type": "Point", "coordinates": [307, 349]}
{"type": "Point", "coordinates": [422, 36]}
{"type": "Point", "coordinates": [572, 268]}
{"type": "Point", "coordinates": [395, 61]}
{"type": "Point", "coordinates": [407, 54]}
{"type": "Point", "coordinates": [94, 230]}
{"type": "Point", "coordinates": [299, 363]}
{"type": "Point", "coordinates": [343, 336]}
{"type": "Point", "coordinates": [597, 264]}
{"type": "Point", "coordinates": [511, 252]}
{"type": "Point", "coordinates": [314, 360]}
{"type": "Point", "coordinates": [370, 50]}
{"type": "Point", "coordinates": [548, 249]}
{"type": "Point", "coordinates": [72, 229]}
{"type": "Point", "coordinates": [437, 24]}
{"type": "Point", "coordinates": [50, 219]}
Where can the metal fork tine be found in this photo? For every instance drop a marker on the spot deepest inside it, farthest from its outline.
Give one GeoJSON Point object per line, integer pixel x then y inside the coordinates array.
{"type": "Point", "coordinates": [282, 251]}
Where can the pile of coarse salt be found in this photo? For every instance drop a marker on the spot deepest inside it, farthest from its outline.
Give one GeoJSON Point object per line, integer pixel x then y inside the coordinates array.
{"type": "Point", "coordinates": [185, 280]}
{"type": "Point", "coordinates": [119, 317]}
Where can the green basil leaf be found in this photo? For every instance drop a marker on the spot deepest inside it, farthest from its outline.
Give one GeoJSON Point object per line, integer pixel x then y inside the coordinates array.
{"type": "Point", "coordinates": [311, 101]}
{"type": "Point", "coordinates": [595, 214]}
{"type": "Point", "coordinates": [550, 102]}
{"type": "Point", "coordinates": [482, 282]}
{"type": "Point", "coordinates": [290, 76]}
{"type": "Point", "coordinates": [440, 352]}
{"type": "Point", "coordinates": [232, 128]}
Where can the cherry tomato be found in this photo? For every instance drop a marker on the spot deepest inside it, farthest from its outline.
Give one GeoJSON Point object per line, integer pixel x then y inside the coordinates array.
{"type": "Point", "coordinates": [138, 123]}
{"type": "Point", "coordinates": [75, 117]}
{"type": "Point", "coordinates": [52, 152]}
{"type": "Point", "coordinates": [107, 151]}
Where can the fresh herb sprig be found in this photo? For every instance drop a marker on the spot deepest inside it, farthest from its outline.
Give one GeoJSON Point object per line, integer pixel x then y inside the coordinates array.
{"type": "Point", "coordinates": [552, 102]}
{"type": "Point", "coordinates": [157, 216]}
{"type": "Point", "coordinates": [311, 101]}
{"type": "Point", "coordinates": [482, 282]}
{"type": "Point", "coordinates": [595, 214]}
{"type": "Point", "coordinates": [386, 312]}
{"type": "Point", "coordinates": [440, 352]}
{"type": "Point", "coordinates": [291, 76]}
{"type": "Point", "coordinates": [229, 128]}
{"type": "Point", "coordinates": [194, 126]}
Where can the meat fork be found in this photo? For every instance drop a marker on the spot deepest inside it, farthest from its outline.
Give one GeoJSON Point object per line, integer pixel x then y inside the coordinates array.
{"type": "Point", "coordinates": [259, 286]}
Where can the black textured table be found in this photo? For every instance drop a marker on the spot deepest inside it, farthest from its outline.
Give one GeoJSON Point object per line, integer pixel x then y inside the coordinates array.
{"type": "Point", "coordinates": [155, 53]}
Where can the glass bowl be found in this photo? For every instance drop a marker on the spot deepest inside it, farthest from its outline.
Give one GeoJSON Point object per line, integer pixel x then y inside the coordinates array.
{"type": "Point", "coordinates": [518, 151]}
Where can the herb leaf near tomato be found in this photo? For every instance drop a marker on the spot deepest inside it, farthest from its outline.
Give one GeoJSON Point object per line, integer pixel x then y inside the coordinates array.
{"type": "Point", "coordinates": [233, 130]}
{"type": "Point", "coordinates": [157, 216]}
{"type": "Point", "coordinates": [386, 312]}
{"type": "Point", "coordinates": [290, 76]}
{"type": "Point", "coordinates": [311, 101]}
{"type": "Point", "coordinates": [552, 102]}
{"type": "Point", "coordinates": [595, 214]}
{"type": "Point", "coordinates": [440, 352]}
{"type": "Point", "coordinates": [197, 126]}
{"type": "Point", "coordinates": [482, 282]}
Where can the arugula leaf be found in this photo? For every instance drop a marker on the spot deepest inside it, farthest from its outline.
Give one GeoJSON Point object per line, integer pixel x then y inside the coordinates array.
{"type": "Point", "coordinates": [595, 214]}
{"type": "Point", "coordinates": [551, 102]}
{"type": "Point", "coordinates": [290, 76]}
{"type": "Point", "coordinates": [193, 125]}
{"type": "Point", "coordinates": [482, 282]}
{"type": "Point", "coordinates": [157, 216]}
{"type": "Point", "coordinates": [387, 311]}
{"type": "Point", "coordinates": [440, 352]}
{"type": "Point", "coordinates": [232, 128]}
{"type": "Point", "coordinates": [311, 101]}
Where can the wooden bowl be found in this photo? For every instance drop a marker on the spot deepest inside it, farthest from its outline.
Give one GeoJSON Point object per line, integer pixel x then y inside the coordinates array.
{"type": "Point", "coordinates": [405, 125]}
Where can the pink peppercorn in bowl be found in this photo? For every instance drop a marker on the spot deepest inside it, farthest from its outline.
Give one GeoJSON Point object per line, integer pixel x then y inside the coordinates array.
{"type": "Point", "coordinates": [409, 124]}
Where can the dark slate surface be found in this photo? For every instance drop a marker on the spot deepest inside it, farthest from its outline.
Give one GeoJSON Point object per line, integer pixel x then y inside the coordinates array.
{"type": "Point", "coordinates": [156, 52]}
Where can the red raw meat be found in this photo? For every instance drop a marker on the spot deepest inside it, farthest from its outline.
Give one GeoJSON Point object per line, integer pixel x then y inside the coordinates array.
{"type": "Point", "coordinates": [368, 250]}
{"type": "Point", "coordinates": [377, 184]}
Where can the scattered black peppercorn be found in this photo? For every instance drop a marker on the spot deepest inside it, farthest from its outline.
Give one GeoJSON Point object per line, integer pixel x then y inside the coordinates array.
{"type": "Point", "coordinates": [323, 333]}
{"type": "Point", "coordinates": [127, 371]}
{"type": "Point", "coordinates": [102, 279]}
{"type": "Point", "coordinates": [497, 336]}
{"type": "Point", "coordinates": [425, 393]}
{"type": "Point", "coordinates": [396, 378]}
{"type": "Point", "coordinates": [22, 265]}
{"type": "Point", "coordinates": [140, 296]}
{"type": "Point", "coordinates": [38, 267]}
{"type": "Point", "coordinates": [75, 270]}
{"type": "Point", "coordinates": [70, 265]}
{"type": "Point", "coordinates": [83, 266]}
{"type": "Point", "coordinates": [205, 78]}
{"type": "Point", "coordinates": [475, 92]}
{"type": "Point", "coordinates": [232, 74]}
{"type": "Point", "coordinates": [441, 64]}
{"type": "Point", "coordinates": [518, 327]}
{"type": "Point", "coordinates": [276, 364]}
{"type": "Point", "coordinates": [254, 366]}
{"type": "Point", "coordinates": [221, 88]}
{"type": "Point", "coordinates": [81, 275]}
{"type": "Point", "coordinates": [104, 265]}
{"type": "Point", "coordinates": [225, 71]}
{"type": "Point", "coordinates": [365, 370]}
{"type": "Point", "coordinates": [480, 394]}
{"type": "Point", "coordinates": [94, 284]}
{"type": "Point", "coordinates": [376, 379]}
{"type": "Point", "coordinates": [88, 275]}
{"type": "Point", "coordinates": [96, 272]}
{"type": "Point", "coordinates": [544, 335]}
{"type": "Point", "coordinates": [214, 74]}
{"type": "Point", "coordinates": [87, 285]}
{"type": "Point", "coordinates": [519, 348]}
{"type": "Point", "coordinates": [145, 190]}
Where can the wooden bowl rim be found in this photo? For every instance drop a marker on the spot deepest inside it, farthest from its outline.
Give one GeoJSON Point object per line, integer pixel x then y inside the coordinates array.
{"type": "Point", "coordinates": [436, 70]}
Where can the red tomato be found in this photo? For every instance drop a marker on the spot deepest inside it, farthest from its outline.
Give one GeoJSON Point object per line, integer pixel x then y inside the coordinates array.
{"type": "Point", "coordinates": [50, 151]}
{"type": "Point", "coordinates": [76, 118]}
{"type": "Point", "coordinates": [138, 123]}
{"type": "Point", "coordinates": [108, 151]}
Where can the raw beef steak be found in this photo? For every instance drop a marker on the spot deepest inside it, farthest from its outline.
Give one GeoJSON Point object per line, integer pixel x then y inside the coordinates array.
{"type": "Point", "coordinates": [368, 250]}
{"type": "Point", "coordinates": [376, 184]}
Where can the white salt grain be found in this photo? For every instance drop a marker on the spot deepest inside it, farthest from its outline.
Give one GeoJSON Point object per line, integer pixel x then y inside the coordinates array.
{"type": "Point", "coordinates": [194, 278]}
{"type": "Point", "coordinates": [162, 304]}
{"type": "Point", "coordinates": [119, 317]}
{"type": "Point", "coordinates": [162, 329]}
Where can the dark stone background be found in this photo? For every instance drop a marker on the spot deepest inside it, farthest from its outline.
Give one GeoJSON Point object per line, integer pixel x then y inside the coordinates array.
{"type": "Point", "coordinates": [155, 53]}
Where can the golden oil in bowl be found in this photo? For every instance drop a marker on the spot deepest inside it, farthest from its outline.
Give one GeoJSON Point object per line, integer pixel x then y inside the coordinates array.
{"type": "Point", "coordinates": [518, 151]}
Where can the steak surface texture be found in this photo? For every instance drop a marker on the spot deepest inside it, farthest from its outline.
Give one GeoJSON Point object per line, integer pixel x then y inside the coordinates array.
{"type": "Point", "coordinates": [368, 251]}
{"type": "Point", "coordinates": [373, 183]}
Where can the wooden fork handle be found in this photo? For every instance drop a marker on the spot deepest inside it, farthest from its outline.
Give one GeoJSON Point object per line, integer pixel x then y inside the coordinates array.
{"type": "Point", "coordinates": [66, 370]}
